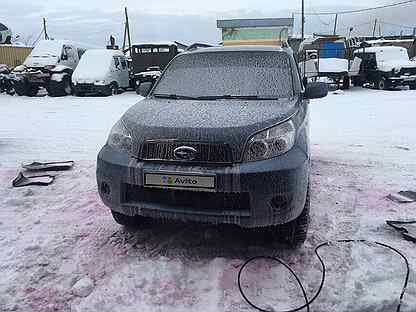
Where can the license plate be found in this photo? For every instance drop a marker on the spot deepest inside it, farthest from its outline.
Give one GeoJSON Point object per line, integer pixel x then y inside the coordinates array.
{"type": "Point", "coordinates": [180, 181]}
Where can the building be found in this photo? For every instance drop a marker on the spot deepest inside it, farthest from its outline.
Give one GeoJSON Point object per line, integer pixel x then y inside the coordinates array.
{"type": "Point", "coordinates": [264, 31]}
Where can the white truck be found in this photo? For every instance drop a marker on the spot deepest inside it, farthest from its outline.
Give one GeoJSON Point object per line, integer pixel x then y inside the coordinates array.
{"type": "Point", "coordinates": [324, 57]}
{"type": "Point", "coordinates": [385, 67]}
{"type": "Point", "coordinates": [101, 71]}
{"type": "Point", "coordinates": [50, 65]}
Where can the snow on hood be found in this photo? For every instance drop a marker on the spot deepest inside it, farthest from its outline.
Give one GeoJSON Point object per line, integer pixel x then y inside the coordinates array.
{"type": "Point", "coordinates": [396, 64]}
{"type": "Point", "coordinates": [333, 65]}
{"type": "Point", "coordinates": [94, 65]}
{"type": "Point", "coordinates": [229, 121]}
{"type": "Point", "coordinates": [46, 52]}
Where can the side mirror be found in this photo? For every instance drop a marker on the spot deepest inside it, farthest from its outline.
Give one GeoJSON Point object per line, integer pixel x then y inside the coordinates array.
{"type": "Point", "coordinates": [316, 90]}
{"type": "Point", "coordinates": [144, 88]}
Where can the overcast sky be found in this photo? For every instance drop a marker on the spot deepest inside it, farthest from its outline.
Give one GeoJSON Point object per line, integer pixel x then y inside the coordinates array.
{"type": "Point", "coordinates": [185, 20]}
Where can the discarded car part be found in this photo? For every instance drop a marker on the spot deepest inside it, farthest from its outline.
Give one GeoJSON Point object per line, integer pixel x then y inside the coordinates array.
{"type": "Point", "coordinates": [406, 228]}
{"type": "Point", "coordinates": [403, 197]}
{"type": "Point", "coordinates": [101, 71]}
{"type": "Point", "coordinates": [49, 166]}
{"type": "Point", "coordinates": [232, 148]}
{"type": "Point", "coordinates": [308, 302]}
{"type": "Point", "coordinates": [22, 180]}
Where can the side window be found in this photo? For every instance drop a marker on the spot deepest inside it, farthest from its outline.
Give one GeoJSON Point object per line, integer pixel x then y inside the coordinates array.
{"type": "Point", "coordinates": [123, 63]}
{"type": "Point", "coordinates": [116, 62]}
{"type": "Point", "coordinates": [80, 52]}
{"type": "Point", "coordinates": [64, 54]}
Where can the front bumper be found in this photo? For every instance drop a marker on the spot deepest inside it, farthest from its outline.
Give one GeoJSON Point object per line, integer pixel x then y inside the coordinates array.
{"type": "Point", "coordinates": [252, 194]}
{"type": "Point", "coordinates": [90, 88]}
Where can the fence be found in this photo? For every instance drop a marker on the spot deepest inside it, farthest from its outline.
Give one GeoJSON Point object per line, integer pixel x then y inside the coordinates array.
{"type": "Point", "coordinates": [13, 55]}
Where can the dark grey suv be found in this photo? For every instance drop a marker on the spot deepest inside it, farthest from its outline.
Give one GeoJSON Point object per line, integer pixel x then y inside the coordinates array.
{"type": "Point", "coordinates": [222, 137]}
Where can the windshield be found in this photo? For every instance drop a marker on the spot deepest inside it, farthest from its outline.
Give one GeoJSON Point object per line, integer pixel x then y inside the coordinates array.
{"type": "Point", "coordinates": [246, 73]}
{"type": "Point", "coordinates": [47, 48]}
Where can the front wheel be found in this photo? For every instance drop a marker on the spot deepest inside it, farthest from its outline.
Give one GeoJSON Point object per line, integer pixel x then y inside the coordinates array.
{"type": "Point", "coordinates": [413, 86]}
{"type": "Point", "coordinates": [59, 88]}
{"type": "Point", "coordinates": [345, 82]}
{"type": "Point", "coordinates": [295, 232]}
{"type": "Point", "coordinates": [383, 84]}
{"type": "Point", "coordinates": [23, 87]}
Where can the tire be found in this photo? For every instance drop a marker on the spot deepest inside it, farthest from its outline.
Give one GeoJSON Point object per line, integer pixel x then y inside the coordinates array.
{"type": "Point", "coordinates": [413, 86]}
{"type": "Point", "coordinates": [383, 84]}
{"type": "Point", "coordinates": [357, 82]}
{"type": "Point", "coordinates": [295, 232]}
{"type": "Point", "coordinates": [59, 88]}
{"type": "Point", "coordinates": [23, 87]}
{"type": "Point", "coordinates": [345, 82]}
{"type": "Point", "coordinates": [137, 89]}
{"type": "Point", "coordinates": [125, 220]}
{"type": "Point", "coordinates": [111, 89]}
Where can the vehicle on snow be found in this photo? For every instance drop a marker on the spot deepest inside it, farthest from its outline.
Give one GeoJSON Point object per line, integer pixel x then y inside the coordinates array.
{"type": "Point", "coordinates": [324, 57]}
{"type": "Point", "coordinates": [101, 71]}
{"type": "Point", "coordinates": [50, 65]}
{"type": "Point", "coordinates": [385, 67]}
{"type": "Point", "coordinates": [222, 137]}
{"type": "Point", "coordinates": [150, 75]}
{"type": "Point", "coordinates": [5, 34]}
{"type": "Point", "coordinates": [148, 55]}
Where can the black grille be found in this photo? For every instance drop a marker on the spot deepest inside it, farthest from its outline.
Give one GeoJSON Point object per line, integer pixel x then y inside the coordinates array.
{"type": "Point", "coordinates": [408, 71]}
{"type": "Point", "coordinates": [206, 152]}
{"type": "Point", "coordinates": [188, 200]}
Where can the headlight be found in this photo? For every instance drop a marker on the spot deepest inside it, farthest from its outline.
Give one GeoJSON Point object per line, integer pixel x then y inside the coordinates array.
{"type": "Point", "coordinates": [100, 82]}
{"type": "Point", "coordinates": [120, 138]}
{"type": "Point", "coordinates": [271, 142]}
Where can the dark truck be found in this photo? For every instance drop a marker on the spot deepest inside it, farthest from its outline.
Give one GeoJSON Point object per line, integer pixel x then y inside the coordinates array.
{"type": "Point", "coordinates": [150, 57]}
{"type": "Point", "coordinates": [222, 137]}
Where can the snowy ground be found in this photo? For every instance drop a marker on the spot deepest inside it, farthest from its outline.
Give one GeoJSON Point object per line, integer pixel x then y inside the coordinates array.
{"type": "Point", "coordinates": [364, 144]}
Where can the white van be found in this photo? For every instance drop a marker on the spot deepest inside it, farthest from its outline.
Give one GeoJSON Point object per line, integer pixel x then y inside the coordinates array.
{"type": "Point", "coordinates": [101, 71]}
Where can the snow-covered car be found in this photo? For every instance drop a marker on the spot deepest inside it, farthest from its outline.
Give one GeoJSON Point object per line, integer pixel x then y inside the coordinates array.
{"type": "Point", "coordinates": [50, 65]}
{"type": "Point", "coordinates": [229, 145]}
{"type": "Point", "coordinates": [151, 74]}
{"type": "Point", "coordinates": [5, 34]}
{"type": "Point", "coordinates": [101, 71]}
{"type": "Point", "coordinates": [385, 67]}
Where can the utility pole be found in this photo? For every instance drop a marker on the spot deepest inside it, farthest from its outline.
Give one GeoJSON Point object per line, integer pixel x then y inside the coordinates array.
{"type": "Point", "coordinates": [44, 30]}
{"type": "Point", "coordinates": [379, 30]}
{"type": "Point", "coordinates": [335, 25]}
{"type": "Point", "coordinates": [375, 27]}
{"type": "Point", "coordinates": [303, 20]}
{"type": "Point", "coordinates": [414, 31]}
{"type": "Point", "coordinates": [126, 32]}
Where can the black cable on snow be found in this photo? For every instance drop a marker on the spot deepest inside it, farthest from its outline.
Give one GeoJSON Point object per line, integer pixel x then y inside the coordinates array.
{"type": "Point", "coordinates": [307, 301]}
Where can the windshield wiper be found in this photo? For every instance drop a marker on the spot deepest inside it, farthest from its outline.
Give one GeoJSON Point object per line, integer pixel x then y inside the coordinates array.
{"type": "Point", "coordinates": [174, 96]}
{"type": "Point", "coordinates": [235, 97]}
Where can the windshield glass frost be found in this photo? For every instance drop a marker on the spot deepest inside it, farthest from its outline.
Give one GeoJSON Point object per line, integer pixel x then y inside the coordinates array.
{"type": "Point", "coordinates": [265, 74]}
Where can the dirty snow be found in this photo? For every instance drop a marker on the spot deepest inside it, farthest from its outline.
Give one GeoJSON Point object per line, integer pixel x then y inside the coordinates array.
{"type": "Point", "coordinates": [61, 238]}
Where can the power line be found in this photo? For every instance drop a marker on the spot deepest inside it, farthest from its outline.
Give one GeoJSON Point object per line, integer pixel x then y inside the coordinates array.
{"type": "Point", "coordinates": [360, 10]}
{"type": "Point", "coordinates": [397, 25]}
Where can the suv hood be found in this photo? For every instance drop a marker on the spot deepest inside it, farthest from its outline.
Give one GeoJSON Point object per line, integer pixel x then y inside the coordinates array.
{"type": "Point", "coordinates": [396, 64]}
{"type": "Point", "coordinates": [225, 121]}
{"type": "Point", "coordinates": [40, 61]}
